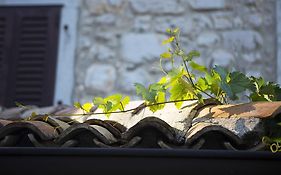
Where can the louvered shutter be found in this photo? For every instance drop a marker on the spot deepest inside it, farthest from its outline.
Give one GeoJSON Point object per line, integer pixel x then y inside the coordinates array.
{"type": "Point", "coordinates": [2, 62]}
{"type": "Point", "coordinates": [32, 60]}
{"type": "Point", "coordinates": [5, 46]}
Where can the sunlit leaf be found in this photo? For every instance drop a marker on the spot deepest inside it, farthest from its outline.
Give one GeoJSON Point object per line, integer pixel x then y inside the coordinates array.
{"type": "Point", "coordinates": [162, 81]}
{"type": "Point", "coordinates": [77, 105]}
{"type": "Point", "coordinates": [166, 55]}
{"type": "Point", "coordinates": [192, 54]}
{"type": "Point", "coordinates": [202, 84]}
{"type": "Point", "coordinates": [197, 67]}
{"type": "Point", "coordinates": [176, 30]}
{"type": "Point", "coordinates": [140, 89]}
{"type": "Point", "coordinates": [169, 40]}
{"type": "Point", "coordinates": [124, 102]}
{"type": "Point", "coordinates": [168, 30]}
{"type": "Point", "coordinates": [181, 90]}
{"type": "Point", "coordinates": [159, 98]}
{"type": "Point", "coordinates": [87, 107]}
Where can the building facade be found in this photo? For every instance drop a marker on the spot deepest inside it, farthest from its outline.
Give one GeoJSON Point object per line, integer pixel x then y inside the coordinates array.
{"type": "Point", "coordinates": [105, 46]}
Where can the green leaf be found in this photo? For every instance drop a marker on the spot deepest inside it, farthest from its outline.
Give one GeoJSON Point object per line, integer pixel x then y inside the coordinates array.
{"type": "Point", "coordinates": [197, 67]}
{"type": "Point", "coordinates": [169, 31]}
{"type": "Point", "coordinates": [213, 80]}
{"type": "Point", "coordinates": [166, 55]}
{"type": "Point", "coordinates": [179, 52]}
{"type": "Point", "coordinates": [124, 102]}
{"type": "Point", "coordinates": [223, 73]}
{"type": "Point", "coordinates": [140, 89]}
{"type": "Point", "coordinates": [77, 105]}
{"type": "Point", "coordinates": [113, 98]}
{"type": "Point", "coordinates": [156, 87]}
{"type": "Point", "coordinates": [257, 97]}
{"type": "Point", "coordinates": [192, 54]}
{"type": "Point", "coordinates": [233, 83]}
{"type": "Point", "coordinates": [147, 94]}
{"type": "Point", "coordinates": [175, 74]}
{"type": "Point", "coordinates": [181, 90]}
{"type": "Point", "coordinates": [33, 114]}
{"type": "Point", "coordinates": [87, 107]}
{"type": "Point", "coordinates": [265, 91]}
{"type": "Point", "coordinates": [162, 81]}
{"type": "Point", "coordinates": [98, 101]}
{"type": "Point", "coordinates": [108, 106]}
{"type": "Point", "coordinates": [111, 103]}
{"type": "Point", "coordinates": [160, 98]}
{"type": "Point", "coordinates": [176, 30]}
{"type": "Point", "coordinates": [239, 82]}
{"type": "Point", "coordinates": [202, 84]}
{"type": "Point", "coordinates": [257, 83]}
{"type": "Point", "coordinates": [18, 104]}
{"type": "Point", "coordinates": [169, 40]}
{"type": "Point", "coordinates": [227, 89]}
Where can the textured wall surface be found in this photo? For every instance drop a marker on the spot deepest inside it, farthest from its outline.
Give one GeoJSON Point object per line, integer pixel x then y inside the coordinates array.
{"type": "Point", "coordinates": [119, 41]}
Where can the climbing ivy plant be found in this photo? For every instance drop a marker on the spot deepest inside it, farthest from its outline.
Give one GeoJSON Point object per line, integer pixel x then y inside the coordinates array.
{"type": "Point", "coordinates": [190, 81]}
{"type": "Point", "coordinates": [182, 83]}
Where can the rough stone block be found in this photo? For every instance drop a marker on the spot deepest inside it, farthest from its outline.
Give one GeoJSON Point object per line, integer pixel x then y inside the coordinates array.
{"type": "Point", "coordinates": [208, 39]}
{"type": "Point", "coordinates": [96, 6]}
{"type": "Point", "coordinates": [191, 25]}
{"type": "Point", "coordinates": [115, 3]}
{"type": "Point", "coordinates": [84, 42]}
{"type": "Point", "coordinates": [128, 78]}
{"type": "Point", "coordinates": [106, 19]}
{"type": "Point", "coordinates": [162, 23]}
{"type": "Point", "coordinates": [207, 4]}
{"type": "Point", "coordinates": [157, 6]}
{"type": "Point", "coordinates": [255, 20]}
{"type": "Point", "coordinates": [245, 39]}
{"type": "Point", "coordinates": [138, 48]}
{"type": "Point", "coordinates": [222, 58]}
{"type": "Point", "coordinates": [100, 77]}
{"type": "Point", "coordinates": [222, 23]}
{"type": "Point", "coordinates": [100, 52]}
{"type": "Point", "coordinates": [142, 23]}
{"type": "Point", "coordinates": [255, 73]}
{"type": "Point", "coordinates": [252, 57]}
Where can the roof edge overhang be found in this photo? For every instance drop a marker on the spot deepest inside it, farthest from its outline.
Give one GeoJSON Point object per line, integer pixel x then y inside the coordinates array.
{"type": "Point", "coordinates": [135, 161]}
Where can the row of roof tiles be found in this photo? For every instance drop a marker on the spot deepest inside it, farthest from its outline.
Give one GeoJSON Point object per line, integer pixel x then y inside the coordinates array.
{"type": "Point", "coordinates": [211, 126]}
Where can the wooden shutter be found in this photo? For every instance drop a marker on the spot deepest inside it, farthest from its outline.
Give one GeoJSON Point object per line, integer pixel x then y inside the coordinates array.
{"type": "Point", "coordinates": [32, 56]}
{"type": "Point", "coordinates": [5, 46]}
{"type": "Point", "coordinates": [2, 72]}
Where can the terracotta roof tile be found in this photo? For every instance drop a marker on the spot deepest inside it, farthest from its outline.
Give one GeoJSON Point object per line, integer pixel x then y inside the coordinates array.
{"type": "Point", "coordinates": [234, 127]}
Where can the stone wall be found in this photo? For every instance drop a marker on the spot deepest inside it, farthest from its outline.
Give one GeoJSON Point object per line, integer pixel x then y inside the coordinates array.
{"type": "Point", "coordinates": [119, 41]}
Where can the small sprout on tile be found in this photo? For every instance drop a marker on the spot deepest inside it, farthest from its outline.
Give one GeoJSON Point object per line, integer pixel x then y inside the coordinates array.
{"type": "Point", "coordinates": [86, 107]}
{"type": "Point", "coordinates": [20, 105]}
{"type": "Point", "coordinates": [111, 103]}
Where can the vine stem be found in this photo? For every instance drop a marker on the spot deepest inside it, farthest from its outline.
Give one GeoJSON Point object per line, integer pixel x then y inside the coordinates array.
{"type": "Point", "coordinates": [116, 112]}
{"type": "Point", "coordinates": [202, 90]}
{"type": "Point", "coordinates": [161, 67]}
{"type": "Point", "coordinates": [185, 65]}
{"type": "Point", "coordinates": [122, 106]}
{"type": "Point", "coordinates": [189, 74]}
